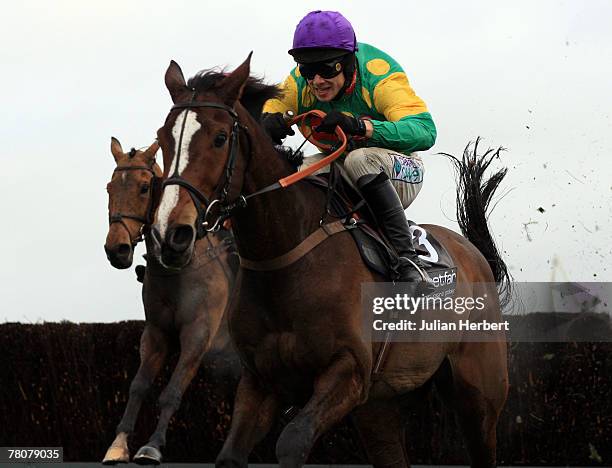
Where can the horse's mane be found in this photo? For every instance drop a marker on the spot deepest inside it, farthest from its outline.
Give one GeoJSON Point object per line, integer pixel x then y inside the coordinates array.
{"type": "Point", "coordinates": [255, 93]}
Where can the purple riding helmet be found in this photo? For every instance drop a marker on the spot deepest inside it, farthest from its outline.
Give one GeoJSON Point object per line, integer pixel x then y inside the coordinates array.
{"type": "Point", "coordinates": [321, 36]}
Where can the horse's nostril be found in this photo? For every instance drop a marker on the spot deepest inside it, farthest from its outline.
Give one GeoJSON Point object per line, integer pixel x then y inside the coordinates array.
{"type": "Point", "coordinates": [124, 250]}
{"type": "Point", "coordinates": [181, 237]}
{"type": "Point", "coordinates": [119, 255]}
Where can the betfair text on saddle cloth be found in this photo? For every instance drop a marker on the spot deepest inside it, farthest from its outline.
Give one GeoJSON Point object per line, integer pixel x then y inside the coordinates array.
{"type": "Point", "coordinates": [365, 92]}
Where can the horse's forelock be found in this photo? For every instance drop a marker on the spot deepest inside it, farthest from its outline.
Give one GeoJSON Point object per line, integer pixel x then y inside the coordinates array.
{"type": "Point", "coordinates": [256, 92]}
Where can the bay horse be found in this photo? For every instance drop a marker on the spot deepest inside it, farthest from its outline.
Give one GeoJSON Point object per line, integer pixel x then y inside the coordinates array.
{"type": "Point", "coordinates": [297, 328]}
{"type": "Point", "coordinates": [182, 308]}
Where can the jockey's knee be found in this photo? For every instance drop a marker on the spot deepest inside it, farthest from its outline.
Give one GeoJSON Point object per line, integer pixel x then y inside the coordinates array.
{"type": "Point", "coordinates": [407, 192]}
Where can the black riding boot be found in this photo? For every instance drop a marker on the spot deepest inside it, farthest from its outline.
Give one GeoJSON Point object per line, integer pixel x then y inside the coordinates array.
{"type": "Point", "coordinates": [387, 208]}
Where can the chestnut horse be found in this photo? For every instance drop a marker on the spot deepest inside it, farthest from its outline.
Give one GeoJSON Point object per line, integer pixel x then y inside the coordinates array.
{"type": "Point", "coordinates": [298, 329]}
{"type": "Point", "coordinates": [184, 308]}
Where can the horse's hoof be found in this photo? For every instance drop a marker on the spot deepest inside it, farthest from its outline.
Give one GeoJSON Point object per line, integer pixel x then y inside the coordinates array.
{"type": "Point", "coordinates": [115, 455]}
{"type": "Point", "coordinates": [147, 455]}
{"type": "Point", "coordinates": [231, 462]}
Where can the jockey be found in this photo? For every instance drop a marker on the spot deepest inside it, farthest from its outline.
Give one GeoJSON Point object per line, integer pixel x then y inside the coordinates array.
{"type": "Point", "coordinates": [367, 94]}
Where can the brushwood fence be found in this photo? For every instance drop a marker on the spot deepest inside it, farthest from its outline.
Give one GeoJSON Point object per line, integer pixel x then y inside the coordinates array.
{"type": "Point", "coordinates": [66, 384]}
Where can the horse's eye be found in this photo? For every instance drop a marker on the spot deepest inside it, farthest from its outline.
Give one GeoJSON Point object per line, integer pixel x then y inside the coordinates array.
{"type": "Point", "coordinates": [220, 140]}
{"type": "Point", "coordinates": [144, 189]}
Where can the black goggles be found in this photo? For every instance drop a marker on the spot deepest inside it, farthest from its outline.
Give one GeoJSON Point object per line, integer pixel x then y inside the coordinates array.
{"type": "Point", "coordinates": [325, 70]}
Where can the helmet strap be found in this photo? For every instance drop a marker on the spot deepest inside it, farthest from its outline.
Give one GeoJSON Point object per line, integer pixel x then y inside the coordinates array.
{"type": "Point", "coordinates": [350, 88]}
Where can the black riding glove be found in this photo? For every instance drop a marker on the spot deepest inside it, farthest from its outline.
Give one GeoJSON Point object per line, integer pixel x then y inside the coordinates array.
{"type": "Point", "coordinates": [350, 125]}
{"type": "Point", "coordinates": [275, 126]}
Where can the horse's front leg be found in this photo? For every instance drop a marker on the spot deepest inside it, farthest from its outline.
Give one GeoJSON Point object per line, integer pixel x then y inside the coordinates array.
{"type": "Point", "coordinates": [253, 416]}
{"type": "Point", "coordinates": [337, 391]}
{"type": "Point", "coordinates": [153, 351]}
{"type": "Point", "coordinates": [195, 341]}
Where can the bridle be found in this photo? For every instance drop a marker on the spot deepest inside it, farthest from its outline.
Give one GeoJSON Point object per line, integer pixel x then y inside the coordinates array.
{"type": "Point", "coordinates": [202, 203]}
{"type": "Point", "coordinates": [148, 217]}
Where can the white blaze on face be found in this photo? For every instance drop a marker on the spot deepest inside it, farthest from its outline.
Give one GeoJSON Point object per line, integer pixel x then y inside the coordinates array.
{"type": "Point", "coordinates": [171, 193]}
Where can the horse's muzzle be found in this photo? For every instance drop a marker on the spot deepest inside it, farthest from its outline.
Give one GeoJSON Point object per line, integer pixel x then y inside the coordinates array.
{"type": "Point", "coordinates": [119, 255]}
{"type": "Point", "coordinates": [175, 249]}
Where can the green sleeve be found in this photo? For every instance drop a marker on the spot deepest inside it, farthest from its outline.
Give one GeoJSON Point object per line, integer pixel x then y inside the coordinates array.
{"type": "Point", "coordinates": [410, 133]}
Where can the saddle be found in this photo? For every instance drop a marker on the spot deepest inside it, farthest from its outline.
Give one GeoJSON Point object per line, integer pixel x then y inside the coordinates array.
{"type": "Point", "coordinates": [346, 204]}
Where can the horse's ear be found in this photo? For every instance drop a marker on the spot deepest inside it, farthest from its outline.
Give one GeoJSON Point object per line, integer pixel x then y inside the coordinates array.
{"type": "Point", "coordinates": [149, 154]}
{"type": "Point", "coordinates": [175, 81]}
{"type": "Point", "coordinates": [233, 85]}
{"type": "Point", "coordinates": [116, 149]}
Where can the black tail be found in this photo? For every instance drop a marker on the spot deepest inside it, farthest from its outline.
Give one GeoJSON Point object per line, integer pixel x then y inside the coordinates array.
{"type": "Point", "coordinates": [474, 194]}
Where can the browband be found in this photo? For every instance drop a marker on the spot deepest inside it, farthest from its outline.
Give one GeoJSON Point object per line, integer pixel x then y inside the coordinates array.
{"type": "Point", "coordinates": [217, 105]}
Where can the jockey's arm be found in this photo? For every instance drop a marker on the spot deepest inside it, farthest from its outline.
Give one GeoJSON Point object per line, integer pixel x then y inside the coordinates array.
{"type": "Point", "coordinates": [408, 126]}
{"type": "Point", "coordinates": [287, 101]}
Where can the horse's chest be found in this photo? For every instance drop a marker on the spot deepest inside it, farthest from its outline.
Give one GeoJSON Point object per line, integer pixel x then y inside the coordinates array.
{"type": "Point", "coordinates": [288, 360]}
{"type": "Point", "coordinates": [283, 335]}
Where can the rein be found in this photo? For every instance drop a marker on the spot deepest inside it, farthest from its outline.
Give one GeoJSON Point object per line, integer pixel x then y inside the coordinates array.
{"type": "Point", "coordinates": [202, 203]}
{"type": "Point", "coordinates": [147, 218]}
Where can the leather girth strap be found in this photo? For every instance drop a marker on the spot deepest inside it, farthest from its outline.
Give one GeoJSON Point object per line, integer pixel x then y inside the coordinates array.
{"type": "Point", "coordinates": [282, 261]}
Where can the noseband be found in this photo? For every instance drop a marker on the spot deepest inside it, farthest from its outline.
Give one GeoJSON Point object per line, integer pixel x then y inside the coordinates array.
{"type": "Point", "coordinates": [201, 202]}
{"type": "Point", "coordinates": [147, 218]}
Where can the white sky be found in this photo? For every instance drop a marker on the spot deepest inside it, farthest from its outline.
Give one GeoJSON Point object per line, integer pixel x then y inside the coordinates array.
{"type": "Point", "coordinates": [74, 73]}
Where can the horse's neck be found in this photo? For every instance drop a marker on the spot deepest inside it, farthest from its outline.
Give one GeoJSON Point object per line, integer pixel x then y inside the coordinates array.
{"type": "Point", "coordinates": [274, 222]}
